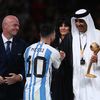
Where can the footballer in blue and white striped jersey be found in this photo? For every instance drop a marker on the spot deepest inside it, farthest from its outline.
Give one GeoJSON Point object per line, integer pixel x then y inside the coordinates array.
{"type": "Point", "coordinates": [39, 59]}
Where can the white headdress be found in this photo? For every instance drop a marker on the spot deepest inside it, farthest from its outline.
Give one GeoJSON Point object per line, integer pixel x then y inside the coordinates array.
{"type": "Point", "coordinates": [85, 15]}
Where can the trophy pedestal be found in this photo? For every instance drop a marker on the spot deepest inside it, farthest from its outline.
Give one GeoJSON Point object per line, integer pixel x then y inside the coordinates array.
{"type": "Point", "coordinates": [90, 76]}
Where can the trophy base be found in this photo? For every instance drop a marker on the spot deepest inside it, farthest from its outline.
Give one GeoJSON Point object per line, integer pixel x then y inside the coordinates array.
{"type": "Point", "coordinates": [90, 75]}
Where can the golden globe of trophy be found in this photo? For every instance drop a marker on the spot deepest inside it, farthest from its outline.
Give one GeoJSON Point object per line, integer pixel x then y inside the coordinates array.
{"type": "Point", "coordinates": [95, 48]}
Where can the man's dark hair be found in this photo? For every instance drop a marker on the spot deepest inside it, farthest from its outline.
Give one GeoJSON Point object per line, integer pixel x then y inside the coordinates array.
{"type": "Point", "coordinates": [46, 29]}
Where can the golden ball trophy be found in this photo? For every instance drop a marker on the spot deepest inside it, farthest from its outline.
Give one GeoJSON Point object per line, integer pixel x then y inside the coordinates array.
{"type": "Point", "coordinates": [95, 48]}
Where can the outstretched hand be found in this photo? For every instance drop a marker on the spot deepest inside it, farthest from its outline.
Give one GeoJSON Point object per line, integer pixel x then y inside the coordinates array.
{"type": "Point", "coordinates": [62, 54]}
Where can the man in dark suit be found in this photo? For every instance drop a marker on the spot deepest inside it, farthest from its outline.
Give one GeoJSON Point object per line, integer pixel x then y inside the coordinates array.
{"type": "Point", "coordinates": [11, 60]}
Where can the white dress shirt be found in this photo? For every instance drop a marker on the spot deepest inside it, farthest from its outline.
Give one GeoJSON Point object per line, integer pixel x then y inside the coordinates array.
{"type": "Point", "coordinates": [5, 41]}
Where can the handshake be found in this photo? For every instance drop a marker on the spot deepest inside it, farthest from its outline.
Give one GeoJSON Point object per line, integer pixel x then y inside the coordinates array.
{"type": "Point", "coordinates": [62, 54]}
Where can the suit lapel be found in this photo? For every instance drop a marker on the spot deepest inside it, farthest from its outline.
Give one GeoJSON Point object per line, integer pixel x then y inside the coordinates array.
{"type": "Point", "coordinates": [14, 47]}
{"type": "Point", "coordinates": [2, 47]}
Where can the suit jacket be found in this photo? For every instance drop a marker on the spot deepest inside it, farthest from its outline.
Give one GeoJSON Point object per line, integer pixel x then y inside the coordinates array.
{"type": "Point", "coordinates": [15, 64]}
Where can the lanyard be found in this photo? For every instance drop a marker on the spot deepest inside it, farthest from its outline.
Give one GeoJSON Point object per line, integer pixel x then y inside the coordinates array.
{"type": "Point", "coordinates": [82, 60]}
{"type": "Point", "coordinates": [82, 50]}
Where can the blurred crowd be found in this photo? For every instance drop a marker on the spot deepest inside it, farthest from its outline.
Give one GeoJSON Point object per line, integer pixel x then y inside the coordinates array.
{"type": "Point", "coordinates": [32, 12]}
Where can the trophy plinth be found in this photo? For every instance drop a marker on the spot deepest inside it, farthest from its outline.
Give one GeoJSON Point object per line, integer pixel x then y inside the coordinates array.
{"type": "Point", "coordinates": [90, 75]}
{"type": "Point", "coordinates": [95, 48]}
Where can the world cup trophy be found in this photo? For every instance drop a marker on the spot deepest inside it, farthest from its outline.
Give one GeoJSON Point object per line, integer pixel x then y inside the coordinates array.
{"type": "Point", "coordinates": [95, 48]}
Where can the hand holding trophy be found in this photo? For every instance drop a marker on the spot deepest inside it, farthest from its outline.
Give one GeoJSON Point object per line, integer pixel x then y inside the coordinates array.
{"type": "Point", "coordinates": [95, 48]}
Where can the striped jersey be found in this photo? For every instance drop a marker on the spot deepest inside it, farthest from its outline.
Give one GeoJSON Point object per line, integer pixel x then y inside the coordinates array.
{"type": "Point", "coordinates": [39, 59]}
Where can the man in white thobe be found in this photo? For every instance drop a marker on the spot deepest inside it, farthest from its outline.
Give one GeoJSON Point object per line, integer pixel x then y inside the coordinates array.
{"type": "Point", "coordinates": [84, 34]}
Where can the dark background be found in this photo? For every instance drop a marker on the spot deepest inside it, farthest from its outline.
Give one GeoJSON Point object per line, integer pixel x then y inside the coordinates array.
{"type": "Point", "coordinates": [32, 13]}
